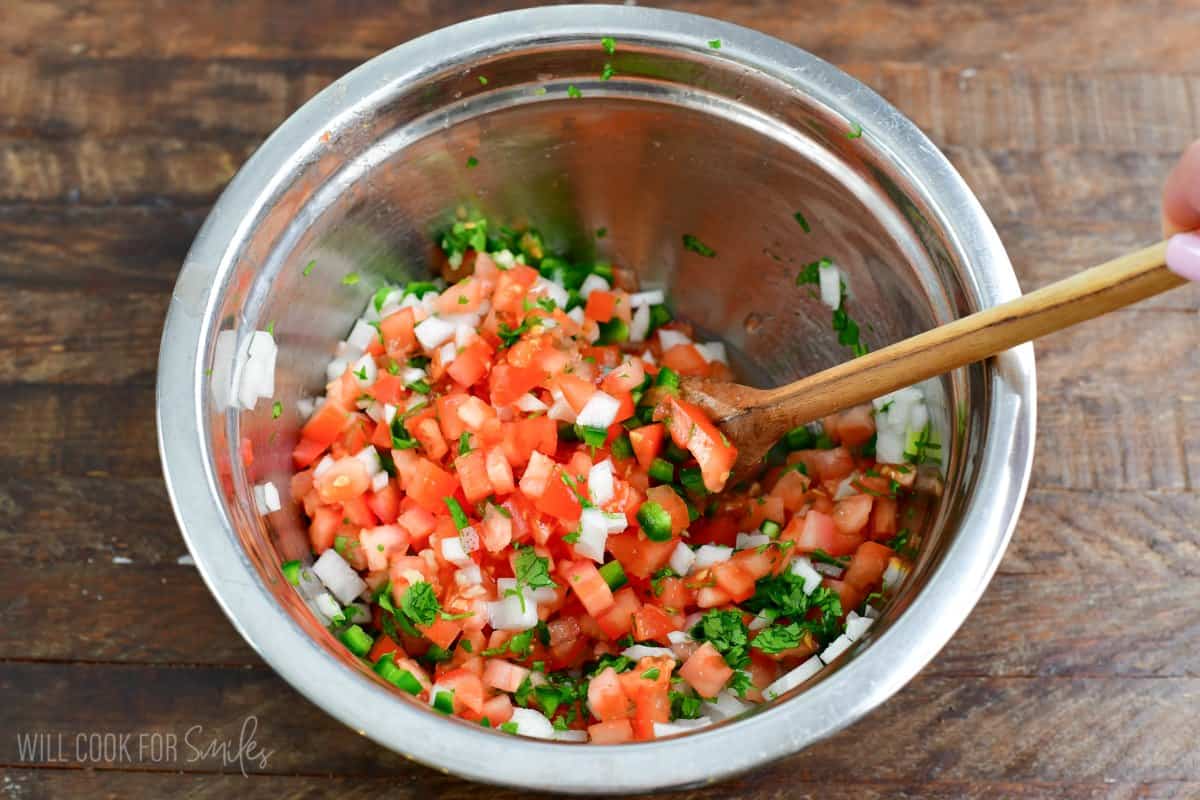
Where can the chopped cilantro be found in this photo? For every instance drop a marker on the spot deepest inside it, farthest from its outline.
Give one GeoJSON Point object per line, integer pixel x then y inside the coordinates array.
{"type": "Point", "coordinates": [855, 131]}
{"type": "Point", "coordinates": [652, 674]}
{"type": "Point", "coordinates": [715, 44]}
{"type": "Point", "coordinates": [573, 92]}
{"type": "Point", "coordinates": [308, 268]}
{"type": "Point", "coordinates": [456, 512]}
{"type": "Point", "coordinates": [777, 638]}
{"type": "Point", "coordinates": [483, 81]}
{"type": "Point", "coordinates": [351, 279]}
{"type": "Point", "coordinates": [726, 632]}
{"type": "Point", "coordinates": [472, 161]}
{"type": "Point", "coordinates": [276, 410]}
{"type": "Point", "coordinates": [420, 604]}
{"type": "Point", "coordinates": [607, 72]}
{"type": "Point", "coordinates": [609, 44]}
{"type": "Point", "coordinates": [690, 242]}
{"type": "Point", "coordinates": [803, 222]}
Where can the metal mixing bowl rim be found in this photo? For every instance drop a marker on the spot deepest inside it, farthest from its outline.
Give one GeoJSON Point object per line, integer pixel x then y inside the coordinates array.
{"type": "Point", "coordinates": [372, 709]}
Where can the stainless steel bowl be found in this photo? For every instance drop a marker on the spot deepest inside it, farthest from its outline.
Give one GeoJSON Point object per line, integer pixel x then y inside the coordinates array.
{"type": "Point", "coordinates": [725, 144]}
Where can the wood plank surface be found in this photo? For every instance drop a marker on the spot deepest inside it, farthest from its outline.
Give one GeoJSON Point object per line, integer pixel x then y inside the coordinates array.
{"type": "Point", "coordinates": [120, 122]}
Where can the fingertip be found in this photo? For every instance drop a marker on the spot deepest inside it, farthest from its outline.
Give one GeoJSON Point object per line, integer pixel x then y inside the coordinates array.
{"type": "Point", "coordinates": [1183, 255]}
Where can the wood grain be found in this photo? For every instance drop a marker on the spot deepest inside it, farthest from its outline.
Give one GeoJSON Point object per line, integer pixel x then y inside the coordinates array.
{"type": "Point", "coordinates": [1015, 33]}
{"type": "Point", "coordinates": [31, 784]}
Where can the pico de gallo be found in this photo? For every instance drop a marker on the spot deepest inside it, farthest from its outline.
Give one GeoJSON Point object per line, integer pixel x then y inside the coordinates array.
{"type": "Point", "coordinates": [517, 520]}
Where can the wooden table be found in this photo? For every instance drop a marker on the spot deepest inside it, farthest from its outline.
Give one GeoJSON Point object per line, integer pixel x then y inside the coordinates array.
{"type": "Point", "coordinates": [120, 121]}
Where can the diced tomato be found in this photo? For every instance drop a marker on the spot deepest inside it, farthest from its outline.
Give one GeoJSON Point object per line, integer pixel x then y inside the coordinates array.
{"type": "Point", "coordinates": [508, 382]}
{"type": "Point", "coordinates": [382, 437]}
{"type": "Point", "coordinates": [472, 364]}
{"type": "Point", "coordinates": [791, 488]}
{"type": "Point", "coordinates": [617, 731]}
{"type": "Point", "coordinates": [504, 675]}
{"type": "Point", "coordinates": [652, 624]}
{"type": "Point", "coordinates": [856, 426]}
{"type": "Point", "coordinates": [430, 486]}
{"type": "Point", "coordinates": [385, 503]}
{"type": "Point", "coordinates": [511, 288]}
{"type": "Point", "coordinates": [867, 566]}
{"type": "Point", "coordinates": [558, 500]}
{"type": "Point", "coordinates": [850, 595]}
{"type": "Point", "coordinates": [382, 646]}
{"type": "Point", "coordinates": [735, 581]}
{"type": "Point", "coordinates": [387, 388]}
{"type": "Point", "coordinates": [419, 523]}
{"type": "Point", "coordinates": [626, 377]}
{"type": "Point", "coordinates": [472, 474]}
{"type": "Point", "coordinates": [525, 436]}
{"type": "Point", "coordinates": [719, 529]}
{"type": "Point", "coordinates": [467, 688]}
{"type": "Point", "coordinates": [396, 329]}
{"type": "Point", "coordinates": [461, 298]}
{"type": "Point", "coordinates": [358, 512]}
{"type": "Point", "coordinates": [647, 442]}
{"type": "Point", "coordinates": [585, 581]}
{"type": "Point", "coordinates": [325, 425]}
{"type": "Point", "coordinates": [306, 452]}
{"type": "Point", "coordinates": [344, 480]}
{"type": "Point", "coordinates": [600, 306]}
{"type": "Point", "coordinates": [883, 518]}
{"type": "Point", "coordinates": [690, 428]}
{"type": "Point", "coordinates": [816, 531]}
{"type": "Point", "coordinates": [576, 390]}
{"type": "Point", "coordinates": [673, 595]}
{"type": "Point", "coordinates": [606, 697]}
{"type": "Point", "coordinates": [498, 709]}
{"type": "Point", "coordinates": [323, 527]}
{"type": "Point", "coordinates": [824, 465]}
{"type": "Point", "coordinates": [640, 556]}
{"type": "Point", "coordinates": [706, 671]}
{"type": "Point", "coordinates": [686, 360]}
{"type": "Point", "coordinates": [618, 620]}
{"type": "Point", "coordinates": [850, 514]}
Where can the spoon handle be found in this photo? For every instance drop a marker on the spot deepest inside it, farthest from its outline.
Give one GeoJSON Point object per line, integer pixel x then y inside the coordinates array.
{"type": "Point", "coordinates": [1115, 284]}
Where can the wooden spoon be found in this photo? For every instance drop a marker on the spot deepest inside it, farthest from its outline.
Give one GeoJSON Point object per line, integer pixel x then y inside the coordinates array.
{"type": "Point", "coordinates": [754, 419]}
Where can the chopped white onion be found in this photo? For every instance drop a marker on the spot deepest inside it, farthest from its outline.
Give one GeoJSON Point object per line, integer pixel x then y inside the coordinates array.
{"type": "Point", "coordinates": [469, 576]}
{"type": "Point", "coordinates": [761, 620]}
{"type": "Point", "coordinates": [803, 568]}
{"type": "Point", "coordinates": [369, 458]}
{"type": "Point", "coordinates": [846, 487]}
{"type": "Point", "coordinates": [600, 482]}
{"type": "Point", "coordinates": [838, 646]}
{"type": "Point", "coordinates": [305, 407]}
{"type": "Point", "coordinates": [308, 585]}
{"type": "Point", "coordinates": [682, 559]}
{"type": "Point", "coordinates": [389, 413]}
{"type": "Point", "coordinates": [361, 335]}
{"type": "Point", "coordinates": [889, 447]}
{"type": "Point", "coordinates": [679, 637]}
{"type": "Point", "coordinates": [600, 411]}
{"type": "Point", "coordinates": [724, 706]}
{"type": "Point", "coordinates": [570, 735]}
{"type": "Point", "coordinates": [639, 325]}
{"type": "Point", "coordinates": [794, 678]}
{"type": "Point", "coordinates": [453, 551]}
{"type": "Point", "coordinates": [323, 466]}
{"type": "Point", "coordinates": [266, 498]}
{"type": "Point", "coordinates": [449, 352]}
{"type": "Point", "coordinates": [338, 576]}
{"type": "Point", "coordinates": [356, 612]}
{"type": "Point", "coordinates": [713, 351]}
{"type": "Point", "coordinates": [871, 612]}
{"type": "Point", "coordinates": [856, 626]}
{"type": "Point", "coordinates": [710, 554]}
{"type": "Point", "coordinates": [221, 378]}
{"type": "Point", "coordinates": [432, 332]}
{"type": "Point", "coordinates": [593, 535]}
{"type": "Point", "coordinates": [576, 315]}
{"type": "Point", "coordinates": [639, 651]}
{"type": "Point", "coordinates": [464, 334]}
{"type": "Point", "coordinates": [504, 259]}
{"type": "Point", "coordinates": [379, 481]}
{"type": "Point", "coordinates": [552, 290]}
{"type": "Point", "coordinates": [336, 368]}
{"type": "Point", "coordinates": [830, 278]}
{"type": "Point", "coordinates": [616, 522]}
{"type": "Point", "coordinates": [254, 377]}
{"type": "Point", "coordinates": [668, 338]}
{"type": "Point", "coordinates": [530, 404]}
{"type": "Point", "coordinates": [650, 297]}
{"type": "Point", "coordinates": [747, 540]}
{"type": "Point", "coordinates": [593, 283]}
{"type": "Point", "coordinates": [510, 614]}
{"type": "Point", "coordinates": [532, 723]}
{"type": "Point", "coordinates": [410, 375]}
{"type": "Point", "coordinates": [325, 607]}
